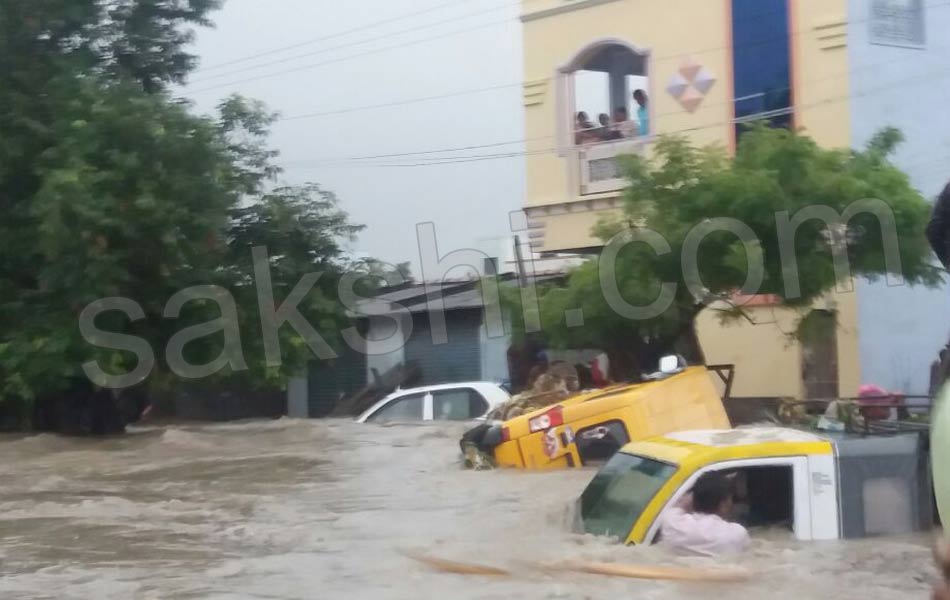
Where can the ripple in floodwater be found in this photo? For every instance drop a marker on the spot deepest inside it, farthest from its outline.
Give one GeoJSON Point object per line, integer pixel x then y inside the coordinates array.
{"type": "Point", "coordinates": [325, 509]}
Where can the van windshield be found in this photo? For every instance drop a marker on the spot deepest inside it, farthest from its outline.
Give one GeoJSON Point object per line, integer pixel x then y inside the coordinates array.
{"type": "Point", "coordinates": [619, 493]}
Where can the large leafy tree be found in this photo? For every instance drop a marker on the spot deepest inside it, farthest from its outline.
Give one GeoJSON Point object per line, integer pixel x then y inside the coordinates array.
{"type": "Point", "coordinates": [111, 187]}
{"type": "Point", "coordinates": [683, 189]}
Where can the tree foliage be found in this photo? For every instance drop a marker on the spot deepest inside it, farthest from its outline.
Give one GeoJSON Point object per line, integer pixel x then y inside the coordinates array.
{"type": "Point", "coordinates": [111, 187]}
{"type": "Point", "coordinates": [774, 171]}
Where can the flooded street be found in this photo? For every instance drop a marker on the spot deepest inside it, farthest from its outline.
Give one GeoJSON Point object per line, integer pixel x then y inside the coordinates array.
{"type": "Point", "coordinates": [293, 509]}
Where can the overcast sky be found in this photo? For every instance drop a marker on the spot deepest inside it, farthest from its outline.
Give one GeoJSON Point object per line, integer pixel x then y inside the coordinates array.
{"type": "Point", "coordinates": [469, 202]}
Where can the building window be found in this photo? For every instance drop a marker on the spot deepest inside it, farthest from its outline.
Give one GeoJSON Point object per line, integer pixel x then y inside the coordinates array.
{"type": "Point", "coordinates": [611, 95]}
{"type": "Point", "coordinates": [898, 22]}
{"type": "Point", "coordinates": [604, 111]}
{"type": "Point", "coordinates": [762, 63]}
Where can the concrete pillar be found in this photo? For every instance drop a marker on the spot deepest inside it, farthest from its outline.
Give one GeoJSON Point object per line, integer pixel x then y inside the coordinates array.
{"type": "Point", "coordinates": [618, 90]}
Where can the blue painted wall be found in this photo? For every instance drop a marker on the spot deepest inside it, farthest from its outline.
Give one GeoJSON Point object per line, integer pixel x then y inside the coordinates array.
{"type": "Point", "coordinates": [901, 329]}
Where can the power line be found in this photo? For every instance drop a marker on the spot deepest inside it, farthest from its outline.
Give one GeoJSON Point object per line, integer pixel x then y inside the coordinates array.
{"type": "Point", "coordinates": [417, 100]}
{"type": "Point", "coordinates": [356, 43]}
{"type": "Point", "coordinates": [332, 36]}
{"type": "Point", "coordinates": [443, 150]}
{"type": "Point", "coordinates": [422, 40]}
{"type": "Point", "coordinates": [523, 140]}
{"type": "Point", "coordinates": [288, 59]}
{"type": "Point", "coordinates": [492, 24]}
{"type": "Point", "coordinates": [478, 158]}
{"type": "Point", "coordinates": [510, 85]}
{"type": "Point", "coordinates": [359, 55]}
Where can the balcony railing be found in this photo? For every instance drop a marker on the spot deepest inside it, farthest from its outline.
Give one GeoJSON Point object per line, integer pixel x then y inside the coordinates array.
{"type": "Point", "coordinates": [600, 170]}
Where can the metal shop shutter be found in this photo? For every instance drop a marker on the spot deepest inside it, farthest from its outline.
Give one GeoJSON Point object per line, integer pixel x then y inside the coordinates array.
{"type": "Point", "coordinates": [457, 360]}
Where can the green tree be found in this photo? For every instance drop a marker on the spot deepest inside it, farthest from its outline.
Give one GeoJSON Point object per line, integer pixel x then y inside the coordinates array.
{"type": "Point", "coordinates": [111, 187]}
{"type": "Point", "coordinates": [682, 186]}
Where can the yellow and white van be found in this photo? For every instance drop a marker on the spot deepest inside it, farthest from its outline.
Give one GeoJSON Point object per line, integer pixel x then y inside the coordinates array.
{"type": "Point", "coordinates": [819, 487]}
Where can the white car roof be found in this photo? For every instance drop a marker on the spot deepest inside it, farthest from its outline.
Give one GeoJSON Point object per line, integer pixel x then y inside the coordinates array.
{"type": "Point", "coordinates": [491, 391]}
{"type": "Point", "coordinates": [479, 385]}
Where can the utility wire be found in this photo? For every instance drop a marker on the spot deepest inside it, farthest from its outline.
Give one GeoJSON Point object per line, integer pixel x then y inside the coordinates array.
{"type": "Point", "coordinates": [288, 59]}
{"type": "Point", "coordinates": [406, 102]}
{"type": "Point", "coordinates": [352, 56]}
{"type": "Point", "coordinates": [494, 23]}
{"type": "Point", "coordinates": [944, 72]}
{"type": "Point", "coordinates": [518, 84]}
{"type": "Point", "coordinates": [331, 36]}
{"type": "Point", "coordinates": [356, 43]}
{"type": "Point", "coordinates": [548, 137]}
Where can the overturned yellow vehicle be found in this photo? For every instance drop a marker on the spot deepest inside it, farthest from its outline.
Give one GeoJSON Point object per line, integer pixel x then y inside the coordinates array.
{"type": "Point", "coordinates": [590, 427]}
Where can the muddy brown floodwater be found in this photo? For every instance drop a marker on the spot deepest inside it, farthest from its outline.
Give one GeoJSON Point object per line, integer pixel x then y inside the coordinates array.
{"type": "Point", "coordinates": [323, 510]}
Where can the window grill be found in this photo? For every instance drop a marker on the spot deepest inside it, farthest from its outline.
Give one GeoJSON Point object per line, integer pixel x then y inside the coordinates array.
{"type": "Point", "coordinates": [898, 22]}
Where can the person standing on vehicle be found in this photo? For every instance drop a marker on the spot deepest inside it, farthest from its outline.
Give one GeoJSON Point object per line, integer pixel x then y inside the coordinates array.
{"type": "Point", "coordinates": [938, 231]}
{"type": "Point", "coordinates": [698, 523]}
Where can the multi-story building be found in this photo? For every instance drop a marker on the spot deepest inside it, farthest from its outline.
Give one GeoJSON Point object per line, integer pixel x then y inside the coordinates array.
{"type": "Point", "coordinates": [837, 69]}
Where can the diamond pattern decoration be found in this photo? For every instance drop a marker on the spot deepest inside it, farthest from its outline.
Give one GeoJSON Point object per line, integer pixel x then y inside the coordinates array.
{"type": "Point", "coordinates": [691, 99]}
{"type": "Point", "coordinates": [690, 84]}
{"type": "Point", "coordinates": [704, 81]}
{"type": "Point", "coordinates": [677, 85]}
{"type": "Point", "coordinates": [689, 69]}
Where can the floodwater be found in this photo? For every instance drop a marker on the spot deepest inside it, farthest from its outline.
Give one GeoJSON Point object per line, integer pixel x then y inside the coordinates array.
{"type": "Point", "coordinates": [325, 510]}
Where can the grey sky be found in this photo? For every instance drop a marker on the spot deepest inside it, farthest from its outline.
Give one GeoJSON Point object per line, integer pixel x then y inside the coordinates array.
{"type": "Point", "coordinates": [468, 201]}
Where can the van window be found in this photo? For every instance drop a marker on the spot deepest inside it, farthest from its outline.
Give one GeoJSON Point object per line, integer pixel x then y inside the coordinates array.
{"type": "Point", "coordinates": [764, 496]}
{"type": "Point", "coordinates": [619, 493]}
{"type": "Point", "coordinates": [599, 442]}
{"type": "Point", "coordinates": [405, 409]}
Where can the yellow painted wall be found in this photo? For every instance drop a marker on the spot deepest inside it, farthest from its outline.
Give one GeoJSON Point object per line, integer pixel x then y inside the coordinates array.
{"type": "Point", "coordinates": [820, 79]}
{"type": "Point", "coordinates": [767, 363]}
{"type": "Point", "coordinates": [822, 89]}
{"type": "Point", "coordinates": [552, 42]}
{"type": "Point", "coordinates": [849, 356]}
{"type": "Point", "coordinates": [572, 230]}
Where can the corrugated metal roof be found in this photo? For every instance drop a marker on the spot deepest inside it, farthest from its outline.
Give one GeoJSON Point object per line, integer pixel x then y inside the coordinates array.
{"type": "Point", "coordinates": [454, 295]}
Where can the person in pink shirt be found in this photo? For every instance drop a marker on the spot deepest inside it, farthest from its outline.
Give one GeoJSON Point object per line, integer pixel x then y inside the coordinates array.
{"type": "Point", "coordinates": [697, 524]}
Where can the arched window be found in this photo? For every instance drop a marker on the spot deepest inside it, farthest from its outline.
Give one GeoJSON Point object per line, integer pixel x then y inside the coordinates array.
{"type": "Point", "coordinates": [599, 84]}
{"type": "Point", "coordinates": [603, 111]}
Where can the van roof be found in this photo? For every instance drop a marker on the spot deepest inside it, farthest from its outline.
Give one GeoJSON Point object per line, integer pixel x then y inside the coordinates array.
{"type": "Point", "coordinates": [746, 436]}
{"type": "Point", "coordinates": [697, 448]}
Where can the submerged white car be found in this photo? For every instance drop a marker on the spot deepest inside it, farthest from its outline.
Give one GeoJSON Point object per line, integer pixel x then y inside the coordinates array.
{"type": "Point", "coordinates": [448, 402]}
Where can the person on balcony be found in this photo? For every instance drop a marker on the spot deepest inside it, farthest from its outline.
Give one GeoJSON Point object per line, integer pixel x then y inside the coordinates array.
{"type": "Point", "coordinates": [643, 111]}
{"type": "Point", "coordinates": [623, 125]}
{"type": "Point", "coordinates": [605, 132]}
{"type": "Point", "coordinates": [585, 132]}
